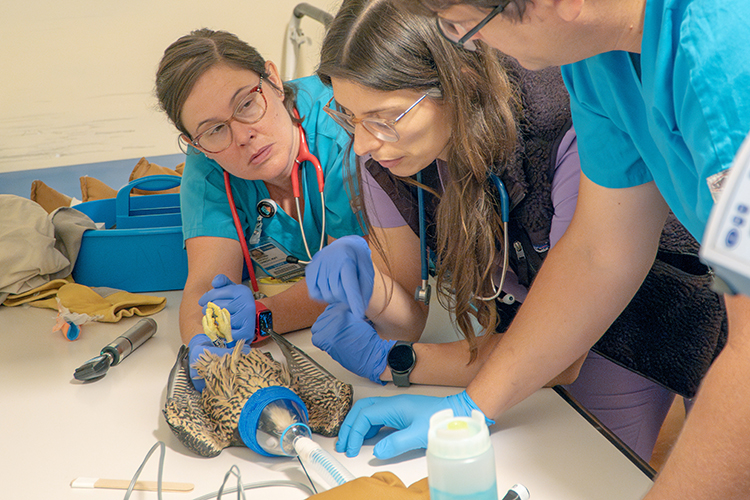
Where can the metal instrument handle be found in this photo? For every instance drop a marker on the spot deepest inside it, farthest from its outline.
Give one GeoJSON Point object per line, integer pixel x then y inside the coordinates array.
{"type": "Point", "coordinates": [129, 341]}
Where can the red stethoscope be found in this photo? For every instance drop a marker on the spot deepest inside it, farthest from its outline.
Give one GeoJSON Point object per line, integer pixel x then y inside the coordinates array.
{"type": "Point", "coordinates": [302, 156]}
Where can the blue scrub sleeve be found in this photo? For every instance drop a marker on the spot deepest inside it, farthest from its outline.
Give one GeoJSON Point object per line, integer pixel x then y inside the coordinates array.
{"type": "Point", "coordinates": [203, 200]}
{"type": "Point", "coordinates": [608, 156]}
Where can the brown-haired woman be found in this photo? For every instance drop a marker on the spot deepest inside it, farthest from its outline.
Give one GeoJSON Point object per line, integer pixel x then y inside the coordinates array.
{"type": "Point", "coordinates": [244, 129]}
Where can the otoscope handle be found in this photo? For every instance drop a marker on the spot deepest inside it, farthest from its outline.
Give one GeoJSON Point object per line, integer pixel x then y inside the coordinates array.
{"type": "Point", "coordinates": [129, 341]}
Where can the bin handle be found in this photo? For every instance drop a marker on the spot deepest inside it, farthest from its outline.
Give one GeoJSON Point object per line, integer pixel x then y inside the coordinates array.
{"type": "Point", "coordinates": [148, 183]}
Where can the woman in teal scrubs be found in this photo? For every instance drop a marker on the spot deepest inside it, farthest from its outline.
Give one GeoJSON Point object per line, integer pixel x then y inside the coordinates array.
{"type": "Point", "coordinates": [236, 115]}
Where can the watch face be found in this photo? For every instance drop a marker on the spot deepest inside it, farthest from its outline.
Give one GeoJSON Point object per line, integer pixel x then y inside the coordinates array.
{"type": "Point", "coordinates": [265, 322]}
{"type": "Point", "coordinates": [401, 358]}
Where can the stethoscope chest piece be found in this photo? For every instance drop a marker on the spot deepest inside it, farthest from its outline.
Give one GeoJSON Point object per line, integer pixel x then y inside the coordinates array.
{"type": "Point", "coordinates": [422, 293]}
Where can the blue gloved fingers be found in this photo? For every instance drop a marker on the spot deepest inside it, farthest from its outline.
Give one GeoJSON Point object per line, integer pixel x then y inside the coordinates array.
{"type": "Point", "coordinates": [238, 300]}
{"type": "Point", "coordinates": [243, 316]}
{"type": "Point", "coordinates": [222, 288]}
{"type": "Point", "coordinates": [221, 280]}
{"type": "Point", "coordinates": [203, 300]}
{"type": "Point", "coordinates": [325, 329]}
{"type": "Point", "coordinates": [359, 290]}
{"type": "Point", "coordinates": [241, 305]}
{"type": "Point", "coordinates": [393, 445]}
{"type": "Point", "coordinates": [408, 414]}
{"type": "Point", "coordinates": [345, 431]}
{"type": "Point", "coordinates": [197, 345]}
{"type": "Point", "coordinates": [334, 278]}
{"type": "Point", "coordinates": [375, 416]}
{"type": "Point", "coordinates": [199, 340]}
{"type": "Point", "coordinates": [378, 413]}
{"type": "Point", "coordinates": [357, 287]}
{"type": "Point", "coordinates": [352, 342]}
{"type": "Point", "coordinates": [198, 382]}
{"type": "Point", "coordinates": [343, 272]}
{"type": "Point", "coordinates": [229, 296]}
{"type": "Point", "coordinates": [462, 405]}
{"type": "Point", "coordinates": [373, 431]}
{"type": "Point", "coordinates": [316, 274]}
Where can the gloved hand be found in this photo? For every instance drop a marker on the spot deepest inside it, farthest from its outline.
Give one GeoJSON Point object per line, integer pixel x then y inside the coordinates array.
{"type": "Point", "coordinates": [342, 272]}
{"type": "Point", "coordinates": [408, 413]}
{"type": "Point", "coordinates": [197, 346]}
{"type": "Point", "coordinates": [238, 300]}
{"type": "Point", "coordinates": [351, 341]}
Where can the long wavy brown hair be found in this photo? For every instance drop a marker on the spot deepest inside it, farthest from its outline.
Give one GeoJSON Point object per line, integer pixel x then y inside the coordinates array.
{"type": "Point", "coordinates": [377, 45]}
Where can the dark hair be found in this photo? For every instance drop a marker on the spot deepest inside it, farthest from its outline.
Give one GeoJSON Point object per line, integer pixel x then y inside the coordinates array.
{"type": "Point", "coordinates": [514, 8]}
{"type": "Point", "coordinates": [190, 56]}
{"type": "Point", "coordinates": [379, 46]}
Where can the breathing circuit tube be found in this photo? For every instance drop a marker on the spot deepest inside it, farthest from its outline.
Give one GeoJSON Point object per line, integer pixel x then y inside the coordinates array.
{"type": "Point", "coordinates": [273, 422]}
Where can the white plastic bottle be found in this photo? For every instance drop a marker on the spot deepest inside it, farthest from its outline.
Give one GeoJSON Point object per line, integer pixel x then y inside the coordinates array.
{"type": "Point", "coordinates": [460, 458]}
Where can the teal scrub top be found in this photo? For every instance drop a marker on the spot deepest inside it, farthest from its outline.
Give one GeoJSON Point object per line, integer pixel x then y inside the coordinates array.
{"type": "Point", "coordinates": [203, 198]}
{"type": "Point", "coordinates": [675, 114]}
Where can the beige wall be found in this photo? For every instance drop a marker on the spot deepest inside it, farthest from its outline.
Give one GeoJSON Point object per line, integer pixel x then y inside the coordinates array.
{"type": "Point", "coordinates": [76, 84]}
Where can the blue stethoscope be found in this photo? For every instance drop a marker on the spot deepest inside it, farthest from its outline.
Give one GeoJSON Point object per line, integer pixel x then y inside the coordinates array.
{"type": "Point", "coordinates": [422, 294]}
{"type": "Point", "coordinates": [267, 208]}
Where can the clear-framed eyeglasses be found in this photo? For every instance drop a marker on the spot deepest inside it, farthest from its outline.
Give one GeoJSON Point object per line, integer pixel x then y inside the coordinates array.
{"type": "Point", "coordinates": [457, 34]}
{"type": "Point", "coordinates": [382, 129]}
{"type": "Point", "coordinates": [218, 137]}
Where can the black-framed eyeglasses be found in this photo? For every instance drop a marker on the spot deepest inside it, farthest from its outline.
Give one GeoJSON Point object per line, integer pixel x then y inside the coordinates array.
{"type": "Point", "coordinates": [382, 129]}
{"type": "Point", "coordinates": [456, 34]}
{"type": "Point", "coordinates": [219, 136]}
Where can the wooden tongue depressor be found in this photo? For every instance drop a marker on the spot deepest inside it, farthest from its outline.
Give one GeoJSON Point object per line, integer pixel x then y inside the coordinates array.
{"type": "Point", "coordinates": [122, 484]}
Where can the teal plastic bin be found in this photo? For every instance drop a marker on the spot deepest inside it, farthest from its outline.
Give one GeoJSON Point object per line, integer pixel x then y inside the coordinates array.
{"type": "Point", "coordinates": [140, 249]}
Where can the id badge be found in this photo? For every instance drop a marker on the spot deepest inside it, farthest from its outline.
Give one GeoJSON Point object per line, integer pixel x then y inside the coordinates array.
{"type": "Point", "coordinates": [271, 257]}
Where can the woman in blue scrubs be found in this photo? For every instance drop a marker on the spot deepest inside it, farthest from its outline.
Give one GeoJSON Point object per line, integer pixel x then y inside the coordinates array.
{"type": "Point", "coordinates": [236, 115]}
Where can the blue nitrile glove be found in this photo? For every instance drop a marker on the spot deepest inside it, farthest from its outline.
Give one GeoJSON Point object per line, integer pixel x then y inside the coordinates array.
{"type": "Point", "coordinates": [238, 300]}
{"type": "Point", "coordinates": [342, 272]}
{"type": "Point", "coordinates": [351, 341]}
{"type": "Point", "coordinates": [409, 414]}
{"type": "Point", "coordinates": [197, 346]}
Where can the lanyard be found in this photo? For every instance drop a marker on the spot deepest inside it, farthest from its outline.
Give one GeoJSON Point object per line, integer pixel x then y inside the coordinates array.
{"type": "Point", "coordinates": [302, 156]}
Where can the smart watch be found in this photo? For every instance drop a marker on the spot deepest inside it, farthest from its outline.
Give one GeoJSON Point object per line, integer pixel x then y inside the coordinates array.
{"type": "Point", "coordinates": [263, 321]}
{"type": "Point", "coordinates": [401, 361]}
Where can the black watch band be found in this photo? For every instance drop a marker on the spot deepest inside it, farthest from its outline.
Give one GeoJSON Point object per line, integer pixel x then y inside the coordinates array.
{"type": "Point", "coordinates": [401, 361]}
